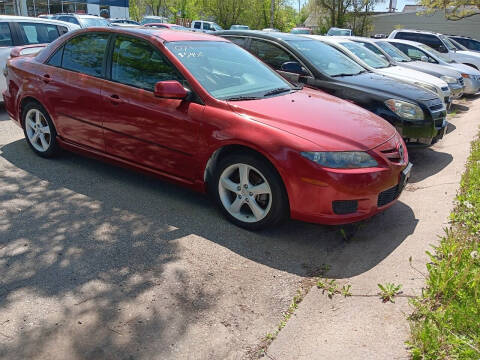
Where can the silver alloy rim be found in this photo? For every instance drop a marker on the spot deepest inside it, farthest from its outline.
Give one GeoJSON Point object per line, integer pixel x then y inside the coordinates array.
{"type": "Point", "coordinates": [38, 130]}
{"type": "Point", "coordinates": [245, 193]}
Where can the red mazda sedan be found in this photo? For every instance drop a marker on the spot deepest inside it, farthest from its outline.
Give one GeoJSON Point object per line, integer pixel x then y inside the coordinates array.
{"type": "Point", "coordinates": [201, 111]}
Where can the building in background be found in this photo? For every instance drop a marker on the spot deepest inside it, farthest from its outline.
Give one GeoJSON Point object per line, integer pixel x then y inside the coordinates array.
{"type": "Point", "coordinates": [116, 8]}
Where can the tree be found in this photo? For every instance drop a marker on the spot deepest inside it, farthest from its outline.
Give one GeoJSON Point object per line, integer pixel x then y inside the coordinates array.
{"type": "Point", "coordinates": [453, 9]}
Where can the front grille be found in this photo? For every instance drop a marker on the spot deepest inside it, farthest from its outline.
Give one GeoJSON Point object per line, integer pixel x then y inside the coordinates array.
{"type": "Point", "coordinates": [387, 196]}
{"type": "Point", "coordinates": [460, 81]}
{"type": "Point", "coordinates": [343, 207]}
{"type": "Point", "coordinates": [436, 107]}
{"type": "Point", "coordinates": [393, 154]}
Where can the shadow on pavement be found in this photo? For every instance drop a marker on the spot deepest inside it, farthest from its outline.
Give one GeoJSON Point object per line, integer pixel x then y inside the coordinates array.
{"type": "Point", "coordinates": [427, 162]}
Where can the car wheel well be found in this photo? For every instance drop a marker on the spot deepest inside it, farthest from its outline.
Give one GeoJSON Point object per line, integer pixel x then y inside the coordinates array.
{"type": "Point", "coordinates": [24, 103]}
{"type": "Point", "coordinates": [475, 67]}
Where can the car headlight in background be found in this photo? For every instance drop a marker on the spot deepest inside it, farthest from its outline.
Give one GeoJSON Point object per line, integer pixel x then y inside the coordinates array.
{"type": "Point", "coordinates": [341, 159]}
{"type": "Point", "coordinates": [465, 76]}
{"type": "Point", "coordinates": [448, 79]}
{"type": "Point", "coordinates": [429, 87]}
{"type": "Point", "coordinates": [405, 109]}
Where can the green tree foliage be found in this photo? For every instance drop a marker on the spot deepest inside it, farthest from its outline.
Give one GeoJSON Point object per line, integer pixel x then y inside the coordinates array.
{"type": "Point", "coordinates": [454, 9]}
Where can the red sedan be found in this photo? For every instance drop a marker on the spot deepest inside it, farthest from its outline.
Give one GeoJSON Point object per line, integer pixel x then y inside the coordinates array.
{"type": "Point", "coordinates": [201, 111]}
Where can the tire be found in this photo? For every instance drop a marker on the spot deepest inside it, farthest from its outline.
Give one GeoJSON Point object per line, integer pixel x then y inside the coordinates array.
{"type": "Point", "coordinates": [39, 130]}
{"type": "Point", "coordinates": [253, 204]}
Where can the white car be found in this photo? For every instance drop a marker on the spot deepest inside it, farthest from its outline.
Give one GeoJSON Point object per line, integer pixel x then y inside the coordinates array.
{"type": "Point", "coordinates": [22, 30]}
{"type": "Point", "coordinates": [205, 26]}
{"type": "Point", "coordinates": [440, 43]}
{"type": "Point", "coordinates": [418, 51]}
{"type": "Point", "coordinates": [377, 64]}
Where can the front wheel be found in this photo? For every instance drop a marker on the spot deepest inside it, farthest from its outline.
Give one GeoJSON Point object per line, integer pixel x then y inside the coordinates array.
{"type": "Point", "coordinates": [250, 192]}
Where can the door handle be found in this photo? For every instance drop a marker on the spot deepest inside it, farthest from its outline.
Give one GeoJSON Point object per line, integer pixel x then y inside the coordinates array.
{"type": "Point", "coordinates": [46, 78]}
{"type": "Point", "coordinates": [115, 99]}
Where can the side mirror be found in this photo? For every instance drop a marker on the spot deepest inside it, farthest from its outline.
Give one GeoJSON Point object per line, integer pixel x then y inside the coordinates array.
{"type": "Point", "coordinates": [424, 58]}
{"type": "Point", "coordinates": [170, 90]}
{"type": "Point", "coordinates": [293, 67]}
{"type": "Point", "coordinates": [442, 49]}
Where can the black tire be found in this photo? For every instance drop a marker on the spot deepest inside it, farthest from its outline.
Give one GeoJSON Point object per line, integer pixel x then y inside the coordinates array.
{"type": "Point", "coordinates": [53, 147]}
{"type": "Point", "coordinates": [278, 210]}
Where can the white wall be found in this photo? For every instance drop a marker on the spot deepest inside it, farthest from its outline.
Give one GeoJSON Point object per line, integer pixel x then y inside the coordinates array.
{"type": "Point", "coordinates": [93, 9]}
{"type": "Point", "coordinates": [119, 12]}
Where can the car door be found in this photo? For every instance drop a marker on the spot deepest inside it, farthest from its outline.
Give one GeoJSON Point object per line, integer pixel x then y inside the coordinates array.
{"type": "Point", "coordinates": [73, 79]}
{"type": "Point", "coordinates": [155, 132]}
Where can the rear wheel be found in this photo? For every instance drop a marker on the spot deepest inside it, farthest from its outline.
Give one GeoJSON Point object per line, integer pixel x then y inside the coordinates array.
{"type": "Point", "coordinates": [249, 192]}
{"type": "Point", "coordinates": [39, 130]}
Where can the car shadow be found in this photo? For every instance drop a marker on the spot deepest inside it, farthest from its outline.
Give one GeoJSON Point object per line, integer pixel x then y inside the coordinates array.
{"type": "Point", "coordinates": [450, 128]}
{"type": "Point", "coordinates": [427, 162]}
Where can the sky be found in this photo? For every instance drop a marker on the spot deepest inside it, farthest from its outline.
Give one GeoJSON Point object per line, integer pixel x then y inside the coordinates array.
{"type": "Point", "coordinates": [379, 7]}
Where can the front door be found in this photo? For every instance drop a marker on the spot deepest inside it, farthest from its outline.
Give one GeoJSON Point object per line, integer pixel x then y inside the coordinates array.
{"type": "Point", "coordinates": [157, 133]}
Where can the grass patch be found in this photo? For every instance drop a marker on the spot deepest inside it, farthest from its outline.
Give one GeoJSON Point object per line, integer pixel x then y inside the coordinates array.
{"type": "Point", "coordinates": [446, 320]}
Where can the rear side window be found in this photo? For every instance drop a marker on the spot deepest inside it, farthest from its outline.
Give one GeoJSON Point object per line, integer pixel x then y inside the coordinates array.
{"type": "Point", "coordinates": [432, 41]}
{"type": "Point", "coordinates": [197, 25]}
{"type": "Point", "coordinates": [85, 54]}
{"type": "Point", "coordinates": [5, 35]}
{"type": "Point", "coordinates": [37, 33]}
{"type": "Point", "coordinates": [137, 63]}
{"type": "Point", "coordinates": [406, 36]}
{"type": "Point", "coordinates": [270, 53]}
{"type": "Point", "coordinates": [241, 41]}
{"type": "Point", "coordinates": [56, 59]}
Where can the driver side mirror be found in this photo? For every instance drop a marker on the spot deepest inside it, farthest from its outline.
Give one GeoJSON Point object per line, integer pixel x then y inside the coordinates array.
{"type": "Point", "coordinates": [293, 67]}
{"type": "Point", "coordinates": [442, 49]}
{"type": "Point", "coordinates": [424, 58]}
{"type": "Point", "coordinates": [170, 90]}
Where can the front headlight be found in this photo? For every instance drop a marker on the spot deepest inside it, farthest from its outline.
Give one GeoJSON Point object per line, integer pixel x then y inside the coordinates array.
{"type": "Point", "coordinates": [428, 87]}
{"type": "Point", "coordinates": [405, 109]}
{"type": "Point", "coordinates": [465, 76]}
{"type": "Point", "coordinates": [448, 79]}
{"type": "Point", "coordinates": [341, 159]}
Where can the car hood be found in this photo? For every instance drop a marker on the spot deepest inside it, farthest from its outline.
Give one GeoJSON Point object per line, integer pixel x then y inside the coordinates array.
{"type": "Point", "coordinates": [439, 70]}
{"type": "Point", "coordinates": [384, 84]}
{"type": "Point", "coordinates": [331, 123]}
{"type": "Point", "coordinates": [469, 55]}
{"type": "Point", "coordinates": [462, 68]}
{"type": "Point", "coordinates": [400, 72]}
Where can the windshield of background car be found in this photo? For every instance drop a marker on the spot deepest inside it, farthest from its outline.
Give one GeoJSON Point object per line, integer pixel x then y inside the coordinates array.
{"type": "Point", "coordinates": [326, 58]}
{"type": "Point", "coordinates": [435, 53]}
{"type": "Point", "coordinates": [226, 70]}
{"type": "Point", "coordinates": [338, 32]}
{"type": "Point", "coordinates": [457, 45]}
{"type": "Point", "coordinates": [366, 55]}
{"type": "Point", "coordinates": [89, 22]}
{"type": "Point", "coordinates": [217, 27]}
{"type": "Point", "coordinates": [391, 50]}
{"type": "Point", "coordinates": [300, 31]}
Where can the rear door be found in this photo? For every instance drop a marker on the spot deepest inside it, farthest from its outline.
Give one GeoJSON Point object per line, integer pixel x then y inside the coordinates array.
{"type": "Point", "coordinates": [73, 78]}
{"type": "Point", "coordinates": [158, 133]}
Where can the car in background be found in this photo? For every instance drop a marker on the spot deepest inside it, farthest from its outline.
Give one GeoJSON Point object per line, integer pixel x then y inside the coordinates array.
{"type": "Point", "coordinates": [469, 43]}
{"type": "Point", "coordinates": [200, 111]}
{"type": "Point", "coordinates": [46, 16]}
{"type": "Point", "coordinates": [167, 26]}
{"type": "Point", "coordinates": [22, 30]}
{"type": "Point", "coordinates": [84, 21]}
{"type": "Point", "coordinates": [419, 51]}
{"type": "Point", "coordinates": [333, 31]}
{"type": "Point", "coordinates": [379, 36]}
{"type": "Point", "coordinates": [418, 115]}
{"type": "Point", "coordinates": [301, 30]}
{"type": "Point", "coordinates": [205, 26]}
{"type": "Point", "coordinates": [370, 60]}
{"type": "Point", "coordinates": [383, 48]}
{"type": "Point", "coordinates": [271, 30]}
{"type": "Point", "coordinates": [239, 27]}
{"type": "Point", "coordinates": [441, 44]}
{"type": "Point", "coordinates": [123, 21]}
{"type": "Point", "coordinates": [153, 19]}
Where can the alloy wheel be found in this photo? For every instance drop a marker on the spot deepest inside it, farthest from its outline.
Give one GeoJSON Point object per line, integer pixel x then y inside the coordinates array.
{"type": "Point", "coordinates": [38, 131]}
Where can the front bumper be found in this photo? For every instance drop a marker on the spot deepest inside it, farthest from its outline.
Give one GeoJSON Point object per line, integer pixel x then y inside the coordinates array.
{"type": "Point", "coordinates": [472, 85]}
{"type": "Point", "coordinates": [456, 90]}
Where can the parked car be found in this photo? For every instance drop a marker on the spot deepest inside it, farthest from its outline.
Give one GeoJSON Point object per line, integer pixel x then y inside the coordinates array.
{"type": "Point", "coordinates": [333, 31]}
{"type": "Point", "coordinates": [418, 51]}
{"type": "Point", "coordinates": [271, 30]}
{"type": "Point", "coordinates": [383, 48]}
{"type": "Point", "coordinates": [83, 21]}
{"type": "Point", "coordinates": [153, 19]}
{"type": "Point", "coordinates": [167, 26]}
{"type": "Point", "coordinates": [22, 30]}
{"type": "Point", "coordinates": [301, 30]}
{"type": "Point", "coordinates": [440, 43]}
{"type": "Point", "coordinates": [239, 27]}
{"type": "Point", "coordinates": [205, 26]}
{"type": "Point", "coordinates": [123, 21]}
{"type": "Point", "coordinates": [201, 111]}
{"type": "Point", "coordinates": [469, 43]}
{"type": "Point", "coordinates": [381, 65]}
{"type": "Point", "coordinates": [419, 115]}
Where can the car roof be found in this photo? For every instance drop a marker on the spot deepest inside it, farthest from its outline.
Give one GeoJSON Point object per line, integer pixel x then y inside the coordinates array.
{"type": "Point", "coordinates": [262, 34]}
{"type": "Point", "coordinates": [37, 20]}
{"type": "Point", "coordinates": [419, 31]}
{"type": "Point", "coordinates": [331, 39]}
{"type": "Point", "coordinates": [401, 41]}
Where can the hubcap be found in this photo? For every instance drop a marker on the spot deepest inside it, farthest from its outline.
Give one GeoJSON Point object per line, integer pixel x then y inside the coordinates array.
{"type": "Point", "coordinates": [245, 193]}
{"type": "Point", "coordinates": [38, 130]}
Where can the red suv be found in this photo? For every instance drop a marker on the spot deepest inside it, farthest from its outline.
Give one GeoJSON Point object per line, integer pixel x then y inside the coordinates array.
{"type": "Point", "coordinates": [201, 111]}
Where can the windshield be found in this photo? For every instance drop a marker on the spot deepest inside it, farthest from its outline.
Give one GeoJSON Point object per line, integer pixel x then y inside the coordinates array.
{"type": "Point", "coordinates": [90, 22]}
{"type": "Point", "coordinates": [178, 27]}
{"type": "Point", "coordinates": [339, 32]}
{"type": "Point", "coordinates": [226, 70]}
{"type": "Point", "coordinates": [366, 55]}
{"type": "Point", "coordinates": [216, 27]}
{"type": "Point", "coordinates": [300, 31]}
{"type": "Point", "coordinates": [435, 53]}
{"type": "Point", "coordinates": [391, 50]}
{"type": "Point", "coordinates": [326, 58]}
{"type": "Point", "coordinates": [447, 43]}
{"type": "Point", "coordinates": [239, 27]}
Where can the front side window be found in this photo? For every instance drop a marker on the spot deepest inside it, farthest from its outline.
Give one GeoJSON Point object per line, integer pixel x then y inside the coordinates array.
{"type": "Point", "coordinates": [271, 54]}
{"type": "Point", "coordinates": [137, 63]}
{"type": "Point", "coordinates": [85, 54]}
{"type": "Point", "coordinates": [435, 53]}
{"type": "Point", "coordinates": [227, 71]}
{"type": "Point", "coordinates": [206, 26]}
{"type": "Point", "coordinates": [5, 35]}
{"type": "Point", "coordinates": [326, 58]}
{"type": "Point", "coordinates": [37, 33]}
{"type": "Point", "coordinates": [413, 52]}
{"type": "Point", "coordinates": [197, 24]}
{"type": "Point", "coordinates": [366, 55]}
